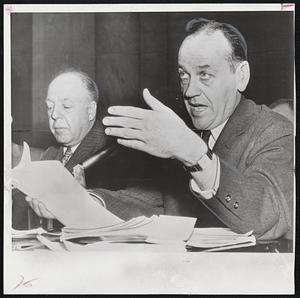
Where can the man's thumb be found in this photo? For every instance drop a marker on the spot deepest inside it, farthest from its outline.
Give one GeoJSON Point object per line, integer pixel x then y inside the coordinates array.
{"type": "Point", "coordinates": [152, 102]}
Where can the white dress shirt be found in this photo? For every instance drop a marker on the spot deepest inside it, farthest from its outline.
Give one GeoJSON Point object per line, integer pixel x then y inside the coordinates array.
{"type": "Point", "coordinates": [73, 148]}
{"type": "Point", "coordinates": [208, 171]}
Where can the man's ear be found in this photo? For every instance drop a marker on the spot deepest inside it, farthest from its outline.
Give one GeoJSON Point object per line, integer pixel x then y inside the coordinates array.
{"type": "Point", "coordinates": [92, 110]}
{"type": "Point", "coordinates": [242, 75]}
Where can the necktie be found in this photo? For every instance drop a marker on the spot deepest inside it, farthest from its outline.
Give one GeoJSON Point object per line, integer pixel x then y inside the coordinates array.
{"type": "Point", "coordinates": [205, 134]}
{"type": "Point", "coordinates": [66, 156]}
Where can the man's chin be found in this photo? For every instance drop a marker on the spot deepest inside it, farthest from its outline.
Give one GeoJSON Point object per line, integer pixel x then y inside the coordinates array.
{"type": "Point", "coordinates": [62, 140]}
{"type": "Point", "coordinates": [200, 124]}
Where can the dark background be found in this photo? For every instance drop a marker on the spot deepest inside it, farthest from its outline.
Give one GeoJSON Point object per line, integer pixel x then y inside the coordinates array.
{"type": "Point", "coordinates": [126, 52]}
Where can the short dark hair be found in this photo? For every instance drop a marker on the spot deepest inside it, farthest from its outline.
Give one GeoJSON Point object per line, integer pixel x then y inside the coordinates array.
{"type": "Point", "coordinates": [288, 101]}
{"type": "Point", "coordinates": [235, 38]}
{"type": "Point", "coordinates": [89, 84]}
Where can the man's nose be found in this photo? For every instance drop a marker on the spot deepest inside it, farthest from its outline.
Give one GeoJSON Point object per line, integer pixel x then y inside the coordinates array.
{"type": "Point", "coordinates": [192, 89]}
{"type": "Point", "coordinates": [56, 112]}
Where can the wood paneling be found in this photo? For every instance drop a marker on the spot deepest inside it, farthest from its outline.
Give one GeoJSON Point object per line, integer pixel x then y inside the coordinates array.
{"type": "Point", "coordinates": [126, 52]}
{"type": "Point", "coordinates": [117, 60]}
{"type": "Point", "coordinates": [21, 69]}
{"type": "Point", "coordinates": [59, 41]}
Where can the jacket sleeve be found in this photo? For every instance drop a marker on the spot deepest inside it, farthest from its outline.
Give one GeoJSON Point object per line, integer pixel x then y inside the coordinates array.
{"type": "Point", "coordinates": [259, 197]}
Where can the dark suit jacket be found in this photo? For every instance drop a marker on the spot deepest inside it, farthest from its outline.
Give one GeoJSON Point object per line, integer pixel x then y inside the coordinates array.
{"type": "Point", "coordinates": [256, 181]}
{"type": "Point", "coordinates": [93, 141]}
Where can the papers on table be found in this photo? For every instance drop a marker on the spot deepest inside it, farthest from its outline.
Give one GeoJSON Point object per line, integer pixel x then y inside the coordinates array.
{"type": "Point", "coordinates": [51, 183]}
{"type": "Point", "coordinates": [156, 229]}
{"type": "Point", "coordinates": [28, 239]}
{"type": "Point", "coordinates": [216, 239]}
{"type": "Point", "coordinates": [89, 226]}
{"type": "Point", "coordinates": [154, 234]}
{"type": "Point", "coordinates": [22, 234]}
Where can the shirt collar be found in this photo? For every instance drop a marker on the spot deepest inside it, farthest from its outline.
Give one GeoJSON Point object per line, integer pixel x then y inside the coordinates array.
{"type": "Point", "coordinates": [215, 132]}
{"type": "Point", "coordinates": [73, 148]}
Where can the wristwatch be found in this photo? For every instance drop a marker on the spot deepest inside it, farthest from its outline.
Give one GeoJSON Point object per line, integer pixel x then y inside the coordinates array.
{"type": "Point", "coordinates": [201, 163]}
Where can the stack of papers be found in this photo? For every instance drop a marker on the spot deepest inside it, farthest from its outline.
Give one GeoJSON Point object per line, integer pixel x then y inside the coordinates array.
{"type": "Point", "coordinates": [154, 234]}
{"type": "Point", "coordinates": [28, 239]}
{"type": "Point", "coordinates": [216, 239]}
{"type": "Point", "coordinates": [165, 233]}
{"type": "Point", "coordinates": [156, 229]}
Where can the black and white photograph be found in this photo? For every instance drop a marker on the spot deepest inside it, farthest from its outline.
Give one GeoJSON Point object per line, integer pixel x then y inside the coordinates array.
{"type": "Point", "coordinates": [149, 149]}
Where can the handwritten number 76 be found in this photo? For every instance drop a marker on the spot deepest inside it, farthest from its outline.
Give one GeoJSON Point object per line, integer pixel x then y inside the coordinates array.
{"type": "Point", "coordinates": [24, 283]}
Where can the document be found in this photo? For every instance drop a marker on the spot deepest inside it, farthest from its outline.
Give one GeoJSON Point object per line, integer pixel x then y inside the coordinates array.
{"type": "Point", "coordinates": [156, 229]}
{"type": "Point", "coordinates": [159, 232]}
{"type": "Point", "coordinates": [88, 225]}
{"type": "Point", "coordinates": [51, 183]}
{"type": "Point", "coordinates": [216, 239]}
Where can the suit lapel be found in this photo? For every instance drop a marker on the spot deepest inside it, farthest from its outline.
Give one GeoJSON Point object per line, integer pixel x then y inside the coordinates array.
{"type": "Point", "coordinates": [93, 141]}
{"type": "Point", "coordinates": [238, 123]}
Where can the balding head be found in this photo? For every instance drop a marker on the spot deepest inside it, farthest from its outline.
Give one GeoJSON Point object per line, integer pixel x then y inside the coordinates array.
{"type": "Point", "coordinates": [87, 82]}
{"type": "Point", "coordinates": [71, 104]}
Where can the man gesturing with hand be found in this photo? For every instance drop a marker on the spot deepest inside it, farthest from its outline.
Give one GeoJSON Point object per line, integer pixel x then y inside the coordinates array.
{"type": "Point", "coordinates": [239, 159]}
{"type": "Point", "coordinates": [160, 132]}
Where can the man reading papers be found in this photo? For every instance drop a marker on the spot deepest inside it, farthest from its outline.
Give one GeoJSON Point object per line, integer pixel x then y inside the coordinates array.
{"type": "Point", "coordinates": [71, 106]}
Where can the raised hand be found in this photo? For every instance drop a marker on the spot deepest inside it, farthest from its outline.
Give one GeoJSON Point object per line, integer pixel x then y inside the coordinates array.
{"type": "Point", "coordinates": [159, 132]}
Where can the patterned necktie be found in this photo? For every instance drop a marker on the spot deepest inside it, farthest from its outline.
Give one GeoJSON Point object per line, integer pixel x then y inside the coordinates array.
{"type": "Point", "coordinates": [66, 156]}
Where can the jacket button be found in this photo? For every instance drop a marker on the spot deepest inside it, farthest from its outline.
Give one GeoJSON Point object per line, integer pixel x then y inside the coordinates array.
{"type": "Point", "coordinates": [236, 205]}
{"type": "Point", "coordinates": [228, 198]}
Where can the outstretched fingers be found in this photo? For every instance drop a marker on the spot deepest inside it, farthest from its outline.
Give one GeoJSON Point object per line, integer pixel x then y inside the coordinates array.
{"type": "Point", "coordinates": [134, 144]}
{"type": "Point", "coordinates": [126, 133]}
{"type": "Point", "coordinates": [128, 111]}
{"type": "Point", "coordinates": [123, 122]}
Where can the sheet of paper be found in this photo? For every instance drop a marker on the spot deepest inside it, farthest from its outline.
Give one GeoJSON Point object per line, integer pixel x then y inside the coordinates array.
{"type": "Point", "coordinates": [172, 228]}
{"type": "Point", "coordinates": [219, 237]}
{"type": "Point", "coordinates": [24, 233]}
{"type": "Point", "coordinates": [126, 247]}
{"type": "Point", "coordinates": [52, 245]}
{"type": "Point", "coordinates": [219, 232]}
{"type": "Point", "coordinates": [51, 183]}
{"type": "Point", "coordinates": [240, 245]}
{"type": "Point", "coordinates": [156, 229]}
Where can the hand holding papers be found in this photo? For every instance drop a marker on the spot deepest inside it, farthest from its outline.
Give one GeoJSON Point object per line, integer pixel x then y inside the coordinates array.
{"type": "Point", "coordinates": [50, 182]}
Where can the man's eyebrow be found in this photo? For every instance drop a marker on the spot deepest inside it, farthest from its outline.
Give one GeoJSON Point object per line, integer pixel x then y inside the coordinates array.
{"type": "Point", "coordinates": [67, 100]}
{"type": "Point", "coordinates": [203, 66]}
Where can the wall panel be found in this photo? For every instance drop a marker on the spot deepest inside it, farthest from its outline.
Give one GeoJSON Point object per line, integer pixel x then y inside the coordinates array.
{"type": "Point", "coordinates": [117, 57]}
{"type": "Point", "coordinates": [126, 52]}
{"type": "Point", "coordinates": [59, 41]}
{"type": "Point", "coordinates": [21, 69]}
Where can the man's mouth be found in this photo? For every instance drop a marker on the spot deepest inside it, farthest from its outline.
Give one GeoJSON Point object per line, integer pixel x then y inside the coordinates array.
{"type": "Point", "coordinates": [59, 128]}
{"type": "Point", "coordinates": [197, 106]}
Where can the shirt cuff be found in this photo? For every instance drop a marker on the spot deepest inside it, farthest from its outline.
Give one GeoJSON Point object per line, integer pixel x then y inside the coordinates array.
{"type": "Point", "coordinates": [210, 193]}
